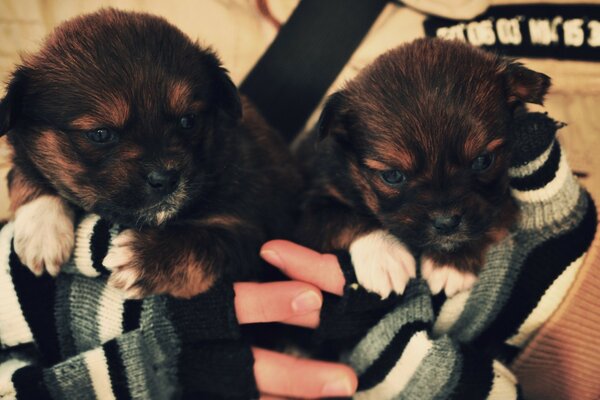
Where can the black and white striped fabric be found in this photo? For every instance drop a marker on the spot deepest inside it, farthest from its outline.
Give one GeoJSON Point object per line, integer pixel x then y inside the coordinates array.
{"type": "Point", "coordinates": [90, 342]}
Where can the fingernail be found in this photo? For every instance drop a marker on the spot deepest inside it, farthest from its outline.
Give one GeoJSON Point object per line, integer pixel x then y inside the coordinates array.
{"type": "Point", "coordinates": [271, 257]}
{"type": "Point", "coordinates": [339, 388]}
{"type": "Point", "coordinates": [307, 301]}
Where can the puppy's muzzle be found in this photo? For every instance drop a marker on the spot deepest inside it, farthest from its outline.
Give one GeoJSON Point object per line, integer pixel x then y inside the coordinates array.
{"type": "Point", "coordinates": [162, 182]}
{"type": "Point", "coordinates": [446, 224]}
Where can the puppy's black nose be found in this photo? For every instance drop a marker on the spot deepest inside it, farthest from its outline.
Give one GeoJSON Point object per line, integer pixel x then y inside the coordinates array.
{"type": "Point", "coordinates": [446, 224]}
{"type": "Point", "coordinates": [163, 181]}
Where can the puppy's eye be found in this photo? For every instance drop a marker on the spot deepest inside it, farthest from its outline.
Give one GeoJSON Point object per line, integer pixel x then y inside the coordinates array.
{"type": "Point", "coordinates": [187, 121]}
{"type": "Point", "coordinates": [482, 162]}
{"type": "Point", "coordinates": [102, 136]}
{"type": "Point", "coordinates": [393, 177]}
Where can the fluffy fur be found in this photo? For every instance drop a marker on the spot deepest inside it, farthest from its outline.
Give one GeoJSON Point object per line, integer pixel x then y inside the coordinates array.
{"type": "Point", "coordinates": [122, 115]}
{"type": "Point", "coordinates": [433, 118]}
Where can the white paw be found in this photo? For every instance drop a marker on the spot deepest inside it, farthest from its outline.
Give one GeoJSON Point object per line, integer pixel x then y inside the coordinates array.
{"type": "Point", "coordinates": [44, 234]}
{"type": "Point", "coordinates": [120, 260]}
{"type": "Point", "coordinates": [382, 263]}
{"type": "Point", "coordinates": [446, 277]}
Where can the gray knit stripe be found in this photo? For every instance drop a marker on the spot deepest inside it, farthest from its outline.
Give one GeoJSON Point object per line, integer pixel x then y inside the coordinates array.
{"type": "Point", "coordinates": [454, 377]}
{"type": "Point", "coordinates": [84, 305]}
{"type": "Point", "coordinates": [491, 290]}
{"type": "Point", "coordinates": [437, 375]}
{"type": "Point", "coordinates": [537, 215]}
{"type": "Point", "coordinates": [563, 222]}
{"type": "Point", "coordinates": [62, 312]}
{"type": "Point", "coordinates": [69, 379]}
{"type": "Point", "coordinates": [418, 308]}
{"type": "Point", "coordinates": [150, 318]}
{"type": "Point", "coordinates": [134, 355]}
{"type": "Point", "coordinates": [498, 276]}
{"type": "Point", "coordinates": [553, 202]}
{"type": "Point", "coordinates": [162, 345]}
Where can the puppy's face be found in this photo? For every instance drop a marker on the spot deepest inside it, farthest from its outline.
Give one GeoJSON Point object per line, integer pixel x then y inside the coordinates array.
{"type": "Point", "coordinates": [121, 114]}
{"type": "Point", "coordinates": [425, 139]}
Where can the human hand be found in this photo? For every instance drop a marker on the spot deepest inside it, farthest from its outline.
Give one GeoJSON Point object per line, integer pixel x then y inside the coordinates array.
{"type": "Point", "coordinates": [303, 264]}
{"type": "Point", "coordinates": [296, 303]}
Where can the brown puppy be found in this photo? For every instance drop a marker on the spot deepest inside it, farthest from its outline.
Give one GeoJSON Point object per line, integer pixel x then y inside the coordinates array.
{"type": "Point", "coordinates": [122, 115]}
{"type": "Point", "coordinates": [413, 162]}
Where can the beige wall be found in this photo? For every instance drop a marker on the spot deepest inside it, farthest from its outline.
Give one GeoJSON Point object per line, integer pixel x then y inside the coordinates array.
{"type": "Point", "coordinates": [240, 34]}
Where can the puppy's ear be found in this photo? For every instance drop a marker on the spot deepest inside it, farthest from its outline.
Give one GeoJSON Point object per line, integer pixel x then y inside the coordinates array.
{"type": "Point", "coordinates": [330, 115]}
{"type": "Point", "coordinates": [11, 104]}
{"type": "Point", "coordinates": [228, 98]}
{"type": "Point", "coordinates": [524, 85]}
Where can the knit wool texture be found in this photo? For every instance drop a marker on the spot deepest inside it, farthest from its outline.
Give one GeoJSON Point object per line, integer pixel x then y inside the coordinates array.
{"type": "Point", "coordinates": [76, 337]}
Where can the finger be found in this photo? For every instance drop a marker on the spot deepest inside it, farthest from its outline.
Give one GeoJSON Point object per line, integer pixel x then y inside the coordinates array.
{"type": "Point", "coordinates": [283, 375]}
{"type": "Point", "coordinates": [304, 264]}
{"type": "Point", "coordinates": [310, 320]}
{"type": "Point", "coordinates": [275, 301]}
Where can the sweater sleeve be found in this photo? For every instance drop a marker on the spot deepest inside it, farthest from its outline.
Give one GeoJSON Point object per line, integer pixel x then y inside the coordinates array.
{"type": "Point", "coordinates": [555, 230]}
{"type": "Point", "coordinates": [120, 368]}
{"type": "Point", "coordinates": [401, 357]}
{"type": "Point", "coordinates": [181, 348]}
{"type": "Point", "coordinates": [90, 341]}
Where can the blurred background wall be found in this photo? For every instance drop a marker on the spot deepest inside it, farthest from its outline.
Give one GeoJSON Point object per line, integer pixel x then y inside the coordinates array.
{"type": "Point", "coordinates": [240, 32]}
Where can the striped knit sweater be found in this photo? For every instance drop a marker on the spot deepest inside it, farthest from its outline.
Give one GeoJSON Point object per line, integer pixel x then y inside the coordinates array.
{"type": "Point", "coordinates": [419, 347]}
{"type": "Point", "coordinates": [74, 337]}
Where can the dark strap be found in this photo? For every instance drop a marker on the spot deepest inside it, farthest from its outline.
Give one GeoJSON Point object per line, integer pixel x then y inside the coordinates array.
{"type": "Point", "coordinates": [309, 52]}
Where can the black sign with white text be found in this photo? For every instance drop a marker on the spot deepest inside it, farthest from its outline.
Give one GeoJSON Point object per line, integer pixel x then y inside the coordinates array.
{"type": "Point", "coordinates": [540, 30]}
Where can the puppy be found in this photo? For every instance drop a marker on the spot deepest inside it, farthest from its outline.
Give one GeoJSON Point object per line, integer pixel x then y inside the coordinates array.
{"type": "Point", "coordinates": [120, 114]}
{"type": "Point", "coordinates": [413, 163]}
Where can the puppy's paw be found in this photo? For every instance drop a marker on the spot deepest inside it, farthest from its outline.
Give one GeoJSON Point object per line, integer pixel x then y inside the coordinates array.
{"type": "Point", "coordinates": [446, 278]}
{"type": "Point", "coordinates": [126, 269]}
{"type": "Point", "coordinates": [154, 262]}
{"type": "Point", "coordinates": [44, 234]}
{"type": "Point", "coordinates": [382, 263]}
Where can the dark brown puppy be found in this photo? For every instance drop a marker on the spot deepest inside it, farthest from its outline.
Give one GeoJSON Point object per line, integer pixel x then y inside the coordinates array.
{"type": "Point", "coordinates": [414, 161]}
{"type": "Point", "coordinates": [122, 115]}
